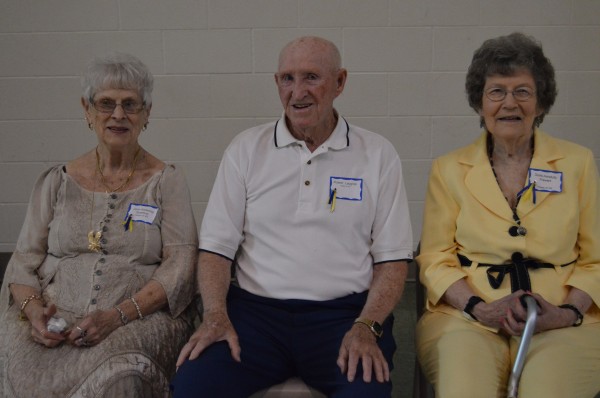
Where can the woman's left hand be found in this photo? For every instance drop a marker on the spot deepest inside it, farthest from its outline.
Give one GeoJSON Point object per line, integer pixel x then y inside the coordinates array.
{"type": "Point", "coordinates": [94, 328]}
{"type": "Point", "coordinates": [549, 317]}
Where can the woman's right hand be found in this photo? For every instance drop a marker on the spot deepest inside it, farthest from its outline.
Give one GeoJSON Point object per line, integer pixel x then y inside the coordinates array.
{"type": "Point", "coordinates": [494, 314]}
{"type": "Point", "coordinates": [38, 316]}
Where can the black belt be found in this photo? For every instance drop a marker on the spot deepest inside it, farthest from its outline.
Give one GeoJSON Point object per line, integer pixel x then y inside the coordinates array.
{"type": "Point", "coordinates": [518, 270]}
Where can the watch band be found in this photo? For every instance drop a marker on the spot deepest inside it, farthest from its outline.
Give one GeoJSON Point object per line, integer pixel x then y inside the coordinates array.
{"type": "Point", "coordinates": [373, 326]}
{"type": "Point", "coordinates": [468, 311]}
{"type": "Point", "coordinates": [571, 307]}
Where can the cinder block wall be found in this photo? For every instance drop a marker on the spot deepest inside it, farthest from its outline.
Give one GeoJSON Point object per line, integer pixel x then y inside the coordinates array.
{"type": "Point", "coordinates": [214, 62]}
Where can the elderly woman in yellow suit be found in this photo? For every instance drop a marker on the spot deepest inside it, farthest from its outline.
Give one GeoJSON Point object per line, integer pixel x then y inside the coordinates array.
{"type": "Point", "coordinates": [515, 212]}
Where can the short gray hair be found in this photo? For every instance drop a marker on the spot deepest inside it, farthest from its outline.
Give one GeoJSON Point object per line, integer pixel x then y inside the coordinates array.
{"type": "Point", "coordinates": [119, 71]}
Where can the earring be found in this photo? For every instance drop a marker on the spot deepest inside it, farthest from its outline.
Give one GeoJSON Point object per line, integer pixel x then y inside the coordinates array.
{"type": "Point", "coordinates": [145, 126]}
{"type": "Point", "coordinates": [481, 122]}
{"type": "Point", "coordinates": [90, 124]}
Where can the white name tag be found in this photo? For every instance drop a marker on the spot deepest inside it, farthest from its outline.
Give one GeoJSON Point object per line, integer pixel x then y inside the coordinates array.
{"type": "Point", "coordinates": [141, 213]}
{"type": "Point", "coordinates": [346, 188]}
{"type": "Point", "coordinates": [546, 180]}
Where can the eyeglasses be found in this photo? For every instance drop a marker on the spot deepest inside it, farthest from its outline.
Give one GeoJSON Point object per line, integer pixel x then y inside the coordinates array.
{"type": "Point", "coordinates": [521, 94]}
{"type": "Point", "coordinates": [106, 105]}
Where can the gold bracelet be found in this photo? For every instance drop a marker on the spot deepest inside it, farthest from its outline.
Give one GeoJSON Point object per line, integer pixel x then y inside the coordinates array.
{"type": "Point", "coordinates": [24, 303]}
{"type": "Point", "coordinates": [137, 308]}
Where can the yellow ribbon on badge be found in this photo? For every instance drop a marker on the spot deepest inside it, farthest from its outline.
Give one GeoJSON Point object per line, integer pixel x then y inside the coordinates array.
{"type": "Point", "coordinates": [528, 192]}
{"type": "Point", "coordinates": [332, 198]}
{"type": "Point", "coordinates": [128, 224]}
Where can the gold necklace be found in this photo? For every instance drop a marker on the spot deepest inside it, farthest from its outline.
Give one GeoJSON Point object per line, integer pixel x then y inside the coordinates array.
{"type": "Point", "coordinates": [95, 236]}
{"type": "Point", "coordinates": [103, 180]}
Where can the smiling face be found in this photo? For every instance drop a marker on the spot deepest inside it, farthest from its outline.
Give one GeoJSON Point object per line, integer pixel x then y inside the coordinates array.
{"type": "Point", "coordinates": [308, 80]}
{"type": "Point", "coordinates": [510, 119]}
{"type": "Point", "coordinates": [116, 129]}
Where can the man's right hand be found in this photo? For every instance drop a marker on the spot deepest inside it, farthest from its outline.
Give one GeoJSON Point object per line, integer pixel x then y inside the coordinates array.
{"type": "Point", "coordinates": [215, 327]}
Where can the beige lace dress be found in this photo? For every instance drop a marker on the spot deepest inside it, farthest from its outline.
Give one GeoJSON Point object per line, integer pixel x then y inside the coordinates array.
{"type": "Point", "coordinates": [136, 360]}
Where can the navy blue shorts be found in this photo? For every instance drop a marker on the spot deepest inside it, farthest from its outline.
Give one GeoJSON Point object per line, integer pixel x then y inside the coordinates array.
{"type": "Point", "coordinates": [280, 339]}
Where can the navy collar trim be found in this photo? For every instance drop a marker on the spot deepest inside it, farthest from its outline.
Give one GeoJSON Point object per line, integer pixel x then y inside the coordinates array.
{"type": "Point", "coordinates": [277, 123]}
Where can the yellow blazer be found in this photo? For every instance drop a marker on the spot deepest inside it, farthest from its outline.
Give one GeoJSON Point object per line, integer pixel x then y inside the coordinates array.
{"type": "Point", "coordinates": [466, 213]}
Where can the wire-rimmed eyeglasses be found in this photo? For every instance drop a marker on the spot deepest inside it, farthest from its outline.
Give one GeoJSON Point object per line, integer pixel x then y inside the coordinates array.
{"type": "Point", "coordinates": [106, 105]}
{"type": "Point", "coordinates": [521, 94]}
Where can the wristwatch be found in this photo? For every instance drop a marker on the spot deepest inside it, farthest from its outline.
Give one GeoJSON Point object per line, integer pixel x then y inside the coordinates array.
{"type": "Point", "coordinates": [373, 326]}
{"type": "Point", "coordinates": [578, 313]}
{"type": "Point", "coordinates": [468, 311]}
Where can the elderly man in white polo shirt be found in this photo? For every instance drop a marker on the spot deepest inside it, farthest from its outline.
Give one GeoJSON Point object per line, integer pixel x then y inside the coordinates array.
{"type": "Point", "coordinates": [312, 211]}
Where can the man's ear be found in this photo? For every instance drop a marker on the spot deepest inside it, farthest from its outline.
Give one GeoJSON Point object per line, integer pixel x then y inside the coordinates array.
{"type": "Point", "coordinates": [342, 76]}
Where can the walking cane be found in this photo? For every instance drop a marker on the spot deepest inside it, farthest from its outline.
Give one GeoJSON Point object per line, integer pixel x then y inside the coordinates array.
{"type": "Point", "coordinates": [532, 308]}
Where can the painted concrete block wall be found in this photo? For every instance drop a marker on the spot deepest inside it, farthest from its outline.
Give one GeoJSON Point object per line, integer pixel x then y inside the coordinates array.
{"type": "Point", "coordinates": [213, 61]}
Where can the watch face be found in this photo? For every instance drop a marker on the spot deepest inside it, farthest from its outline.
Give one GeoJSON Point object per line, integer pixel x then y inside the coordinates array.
{"type": "Point", "coordinates": [373, 326]}
{"type": "Point", "coordinates": [377, 329]}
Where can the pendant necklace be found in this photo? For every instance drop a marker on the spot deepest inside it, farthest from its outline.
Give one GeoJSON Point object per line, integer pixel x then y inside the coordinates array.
{"type": "Point", "coordinates": [94, 237]}
{"type": "Point", "coordinates": [515, 230]}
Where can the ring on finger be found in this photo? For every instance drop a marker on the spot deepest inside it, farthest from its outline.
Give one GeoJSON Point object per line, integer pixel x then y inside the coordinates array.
{"type": "Point", "coordinates": [82, 333]}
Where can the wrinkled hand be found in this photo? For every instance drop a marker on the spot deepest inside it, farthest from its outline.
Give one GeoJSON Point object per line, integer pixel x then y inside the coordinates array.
{"type": "Point", "coordinates": [359, 344]}
{"type": "Point", "coordinates": [39, 318]}
{"type": "Point", "coordinates": [549, 317]}
{"type": "Point", "coordinates": [94, 328]}
{"type": "Point", "coordinates": [215, 327]}
{"type": "Point", "coordinates": [495, 313]}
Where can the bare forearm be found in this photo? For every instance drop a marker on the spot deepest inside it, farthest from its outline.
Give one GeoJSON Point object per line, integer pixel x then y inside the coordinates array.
{"type": "Point", "coordinates": [151, 298]}
{"type": "Point", "coordinates": [385, 290]}
{"type": "Point", "coordinates": [214, 277]}
{"type": "Point", "coordinates": [21, 292]}
{"type": "Point", "coordinates": [458, 294]}
{"type": "Point", "coordinates": [579, 299]}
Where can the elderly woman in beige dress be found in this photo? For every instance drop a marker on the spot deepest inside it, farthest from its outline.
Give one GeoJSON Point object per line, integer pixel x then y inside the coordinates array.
{"type": "Point", "coordinates": [109, 245]}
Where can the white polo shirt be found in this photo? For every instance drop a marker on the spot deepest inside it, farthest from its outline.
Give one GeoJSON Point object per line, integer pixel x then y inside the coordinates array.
{"type": "Point", "coordinates": [270, 211]}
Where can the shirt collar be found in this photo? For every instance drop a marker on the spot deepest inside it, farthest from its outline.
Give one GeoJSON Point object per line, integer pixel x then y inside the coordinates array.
{"type": "Point", "coordinates": [339, 138]}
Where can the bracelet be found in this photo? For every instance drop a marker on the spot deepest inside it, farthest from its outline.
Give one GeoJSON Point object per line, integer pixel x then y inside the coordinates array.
{"type": "Point", "coordinates": [24, 303]}
{"type": "Point", "coordinates": [137, 308]}
{"type": "Point", "coordinates": [578, 313]}
{"type": "Point", "coordinates": [124, 319]}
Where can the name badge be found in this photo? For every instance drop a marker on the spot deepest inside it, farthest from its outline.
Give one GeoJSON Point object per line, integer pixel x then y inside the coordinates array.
{"type": "Point", "coordinates": [346, 188]}
{"type": "Point", "coordinates": [141, 213]}
{"type": "Point", "coordinates": [546, 180]}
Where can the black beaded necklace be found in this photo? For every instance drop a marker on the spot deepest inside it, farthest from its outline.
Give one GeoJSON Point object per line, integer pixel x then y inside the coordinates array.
{"type": "Point", "coordinates": [515, 230]}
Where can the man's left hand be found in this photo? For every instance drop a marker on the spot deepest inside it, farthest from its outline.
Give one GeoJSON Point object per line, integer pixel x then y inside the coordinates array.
{"type": "Point", "coordinates": [360, 344]}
